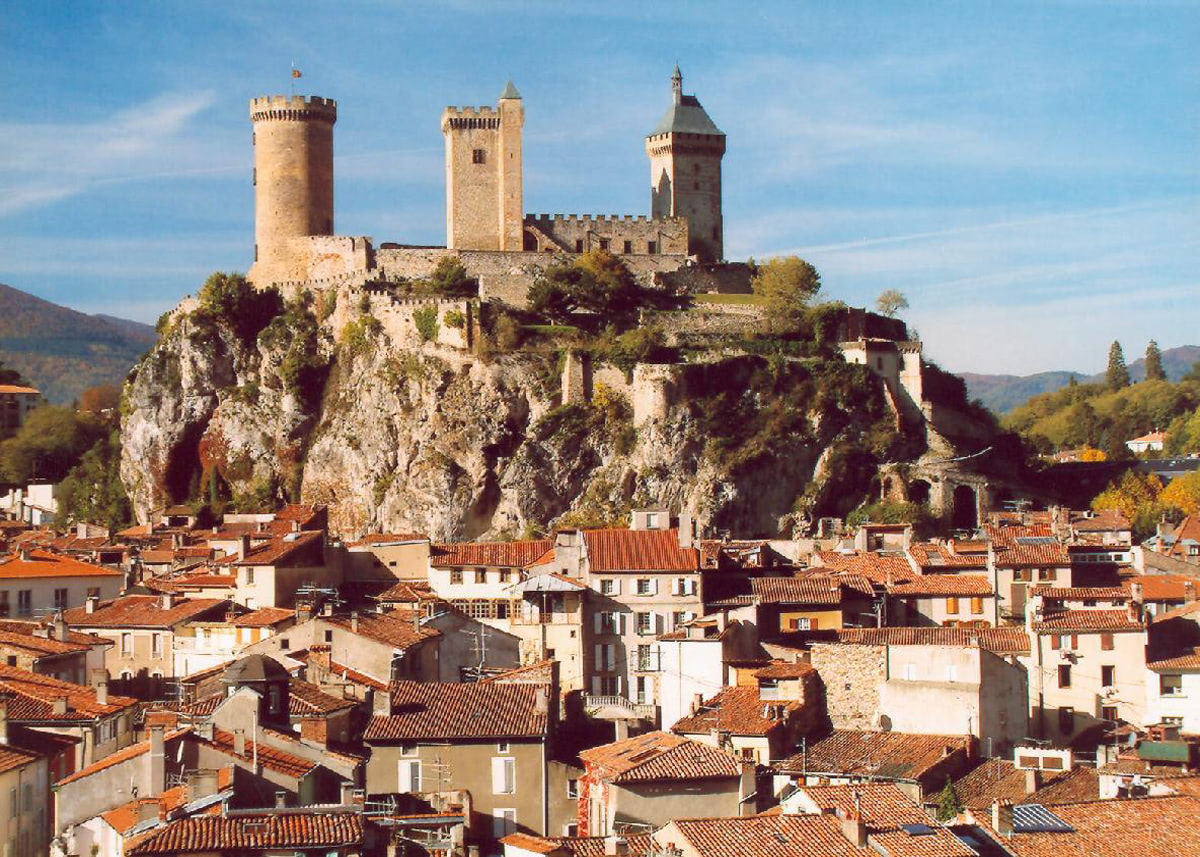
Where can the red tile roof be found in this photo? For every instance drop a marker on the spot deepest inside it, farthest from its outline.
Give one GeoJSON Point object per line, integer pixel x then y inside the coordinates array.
{"type": "Point", "coordinates": [127, 816]}
{"type": "Point", "coordinates": [658, 756]}
{"type": "Point", "coordinates": [765, 836]}
{"type": "Point", "coordinates": [387, 538]}
{"type": "Point", "coordinates": [46, 564]}
{"type": "Point", "coordinates": [785, 670]}
{"type": "Point", "coordinates": [577, 846]}
{"type": "Point", "coordinates": [1081, 593]}
{"type": "Point", "coordinates": [278, 830]}
{"type": "Point", "coordinates": [145, 611]}
{"type": "Point", "coordinates": [738, 711]}
{"type": "Point", "coordinates": [999, 779]}
{"type": "Point", "coordinates": [471, 712]}
{"type": "Point", "coordinates": [876, 567]}
{"type": "Point", "coordinates": [1185, 660]}
{"type": "Point", "coordinates": [407, 592]}
{"type": "Point", "coordinates": [264, 617]}
{"type": "Point", "coordinates": [949, 585]}
{"type": "Point", "coordinates": [308, 700]}
{"type": "Point", "coordinates": [41, 646]}
{"type": "Point", "coordinates": [1103, 521]}
{"type": "Point", "coordinates": [939, 556]}
{"type": "Point", "coordinates": [394, 629]}
{"type": "Point", "coordinates": [1087, 620]}
{"type": "Point", "coordinates": [638, 550]}
{"type": "Point", "coordinates": [1017, 555]}
{"type": "Point", "coordinates": [122, 755]}
{"type": "Point", "coordinates": [283, 549]}
{"type": "Point", "coordinates": [269, 757]}
{"type": "Point", "coordinates": [1162, 587]}
{"type": "Point", "coordinates": [32, 698]}
{"type": "Point", "coordinates": [1005, 640]}
{"type": "Point", "coordinates": [1147, 827]}
{"type": "Point", "coordinates": [502, 554]}
{"type": "Point", "coordinates": [882, 755]}
{"type": "Point", "coordinates": [820, 590]}
{"type": "Point", "coordinates": [883, 805]}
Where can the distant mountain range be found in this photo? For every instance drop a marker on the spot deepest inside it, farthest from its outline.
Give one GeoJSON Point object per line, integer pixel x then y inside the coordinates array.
{"type": "Point", "coordinates": [1002, 393]}
{"type": "Point", "coordinates": [63, 352]}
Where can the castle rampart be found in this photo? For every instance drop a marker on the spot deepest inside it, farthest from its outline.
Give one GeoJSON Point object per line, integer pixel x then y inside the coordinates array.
{"type": "Point", "coordinates": [620, 234]}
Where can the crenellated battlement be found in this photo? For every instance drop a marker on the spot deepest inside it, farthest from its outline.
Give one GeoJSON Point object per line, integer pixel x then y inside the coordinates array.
{"type": "Point", "coordinates": [470, 117]}
{"type": "Point", "coordinates": [293, 108]}
{"type": "Point", "coordinates": [543, 220]}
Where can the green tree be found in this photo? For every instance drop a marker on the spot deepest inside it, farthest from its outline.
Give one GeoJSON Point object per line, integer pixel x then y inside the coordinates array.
{"type": "Point", "coordinates": [787, 285]}
{"type": "Point", "coordinates": [1117, 375]}
{"type": "Point", "coordinates": [93, 491]}
{"type": "Point", "coordinates": [48, 444]}
{"type": "Point", "coordinates": [1154, 366]}
{"type": "Point", "coordinates": [949, 805]}
{"type": "Point", "coordinates": [598, 284]}
{"type": "Point", "coordinates": [449, 277]}
{"type": "Point", "coordinates": [891, 302]}
{"type": "Point", "coordinates": [233, 299]}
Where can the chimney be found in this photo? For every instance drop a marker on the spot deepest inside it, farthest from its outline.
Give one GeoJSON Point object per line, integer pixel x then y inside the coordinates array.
{"type": "Point", "coordinates": [327, 609]}
{"type": "Point", "coordinates": [687, 531]}
{"type": "Point", "coordinates": [177, 540]}
{"type": "Point", "coordinates": [89, 606]}
{"type": "Point", "coordinates": [243, 545]}
{"type": "Point", "coordinates": [295, 526]}
{"type": "Point", "coordinates": [158, 760]}
{"type": "Point", "coordinates": [1033, 780]}
{"type": "Point", "coordinates": [239, 742]}
{"type": "Point", "coordinates": [100, 682]}
{"type": "Point", "coordinates": [855, 829]}
{"type": "Point", "coordinates": [348, 796]}
{"type": "Point", "coordinates": [60, 705]}
{"type": "Point", "coordinates": [280, 799]}
{"type": "Point", "coordinates": [748, 788]}
{"type": "Point", "coordinates": [201, 783]}
{"type": "Point", "coordinates": [615, 846]}
{"type": "Point", "coordinates": [168, 600]}
{"type": "Point", "coordinates": [541, 704]}
{"type": "Point", "coordinates": [60, 628]}
{"type": "Point", "coordinates": [1189, 591]}
{"type": "Point", "coordinates": [26, 552]}
{"type": "Point", "coordinates": [3, 719]}
{"type": "Point", "coordinates": [1002, 818]}
{"type": "Point", "coordinates": [354, 622]}
{"type": "Point", "coordinates": [81, 530]}
{"type": "Point", "coordinates": [697, 701]}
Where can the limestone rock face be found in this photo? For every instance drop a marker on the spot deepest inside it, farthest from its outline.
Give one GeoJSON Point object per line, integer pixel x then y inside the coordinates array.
{"type": "Point", "coordinates": [435, 440]}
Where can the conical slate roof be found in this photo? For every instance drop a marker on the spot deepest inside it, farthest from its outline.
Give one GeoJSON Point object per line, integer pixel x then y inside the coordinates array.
{"type": "Point", "coordinates": [510, 91]}
{"type": "Point", "coordinates": [685, 115]}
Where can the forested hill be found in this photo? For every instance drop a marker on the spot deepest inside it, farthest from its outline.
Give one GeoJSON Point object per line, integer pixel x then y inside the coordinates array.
{"type": "Point", "coordinates": [63, 352]}
{"type": "Point", "coordinates": [1003, 393]}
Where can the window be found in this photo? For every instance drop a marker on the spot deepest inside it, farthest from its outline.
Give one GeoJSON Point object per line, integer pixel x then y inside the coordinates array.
{"type": "Point", "coordinates": [1109, 712]}
{"type": "Point", "coordinates": [1021, 575]}
{"type": "Point", "coordinates": [501, 609]}
{"type": "Point", "coordinates": [504, 823]}
{"type": "Point", "coordinates": [3, 602]}
{"type": "Point", "coordinates": [478, 156]}
{"type": "Point", "coordinates": [24, 602]}
{"type": "Point", "coordinates": [283, 644]}
{"type": "Point", "coordinates": [645, 586]}
{"type": "Point", "coordinates": [481, 575]}
{"type": "Point", "coordinates": [505, 575]}
{"type": "Point", "coordinates": [976, 605]}
{"type": "Point", "coordinates": [604, 243]}
{"type": "Point", "coordinates": [12, 660]}
{"type": "Point", "coordinates": [504, 775]}
{"type": "Point", "coordinates": [503, 747]}
{"type": "Point", "coordinates": [127, 644]}
{"type": "Point", "coordinates": [641, 694]}
{"type": "Point", "coordinates": [578, 245]}
{"type": "Point", "coordinates": [1108, 676]}
{"type": "Point", "coordinates": [645, 623]}
{"type": "Point", "coordinates": [651, 246]}
{"type": "Point", "coordinates": [1055, 642]}
{"type": "Point", "coordinates": [643, 657]}
{"type": "Point", "coordinates": [1170, 684]}
{"type": "Point", "coordinates": [627, 247]}
{"type": "Point", "coordinates": [1066, 719]}
{"type": "Point", "coordinates": [801, 623]}
{"type": "Point", "coordinates": [329, 636]}
{"type": "Point", "coordinates": [408, 749]}
{"type": "Point", "coordinates": [250, 577]}
{"type": "Point", "coordinates": [410, 775]}
{"type": "Point", "coordinates": [608, 622]}
{"type": "Point", "coordinates": [910, 672]}
{"type": "Point", "coordinates": [951, 672]}
{"type": "Point", "coordinates": [456, 575]}
{"type": "Point", "coordinates": [156, 644]}
{"type": "Point", "coordinates": [572, 788]}
{"type": "Point", "coordinates": [1064, 675]}
{"type": "Point", "coordinates": [606, 657]}
{"type": "Point", "coordinates": [1106, 642]}
{"type": "Point", "coordinates": [60, 599]}
{"type": "Point", "coordinates": [951, 605]}
{"type": "Point", "coordinates": [768, 688]}
{"type": "Point", "coordinates": [678, 618]}
{"type": "Point", "coordinates": [1046, 574]}
{"type": "Point", "coordinates": [652, 520]}
{"type": "Point", "coordinates": [608, 586]}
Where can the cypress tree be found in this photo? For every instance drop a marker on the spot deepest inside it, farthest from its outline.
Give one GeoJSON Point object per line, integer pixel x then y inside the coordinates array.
{"type": "Point", "coordinates": [1154, 367]}
{"type": "Point", "coordinates": [948, 806]}
{"type": "Point", "coordinates": [1117, 375]}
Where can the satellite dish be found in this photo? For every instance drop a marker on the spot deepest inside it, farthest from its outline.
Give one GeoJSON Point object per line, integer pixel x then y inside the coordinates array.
{"type": "Point", "coordinates": [885, 723]}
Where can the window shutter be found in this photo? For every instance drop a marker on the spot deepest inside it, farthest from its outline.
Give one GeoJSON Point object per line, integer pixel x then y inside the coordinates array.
{"type": "Point", "coordinates": [657, 623]}
{"type": "Point", "coordinates": [676, 586]}
{"type": "Point", "coordinates": [654, 586]}
{"type": "Point", "coordinates": [596, 685]}
{"type": "Point", "coordinates": [599, 656]}
{"type": "Point", "coordinates": [616, 586]}
{"type": "Point", "coordinates": [812, 624]}
{"type": "Point", "coordinates": [612, 657]}
{"type": "Point", "coordinates": [501, 784]}
{"type": "Point", "coordinates": [689, 616]}
{"type": "Point", "coordinates": [620, 685]}
{"type": "Point", "coordinates": [619, 623]}
{"type": "Point", "coordinates": [410, 776]}
{"type": "Point", "coordinates": [598, 621]}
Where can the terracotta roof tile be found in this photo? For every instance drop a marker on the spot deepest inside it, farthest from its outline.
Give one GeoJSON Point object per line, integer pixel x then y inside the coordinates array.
{"type": "Point", "coordinates": [939, 843]}
{"type": "Point", "coordinates": [439, 710]}
{"type": "Point", "coordinates": [1000, 779]}
{"type": "Point", "coordinates": [785, 670]}
{"type": "Point", "coordinates": [41, 646]}
{"type": "Point", "coordinates": [127, 816]}
{"type": "Point", "coordinates": [264, 617]}
{"type": "Point", "coordinates": [638, 550]}
{"type": "Point", "coordinates": [738, 711]}
{"type": "Point", "coordinates": [387, 538]}
{"type": "Point", "coordinates": [394, 629]}
{"type": "Point", "coordinates": [26, 629]}
{"type": "Point", "coordinates": [1005, 640]}
{"type": "Point", "coordinates": [1018, 555]}
{"type": "Point", "coordinates": [659, 756]}
{"type": "Point", "coordinates": [877, 567]}
{"type": "Point", "coordinates": [269, 757]}
{"type": "Point", "coordinates": [144, 611]}
{"type": "Point", "coordinates": [822, 590]}
{"type": "Point", "coordinates": [577, 846]}
{"type": "Point", "coordinates": [285, 548]}
{"type": "Point", "coordinates": [883, 755]}
{"type": "Point", "coordinates": [949, 585]}
{"type": "Point", "coordinates": [1188, 659]}
{"type": "Point", "coordinates": [767, 836]}
{"type": "Point", "coordinates": [883, 805]}
{"type": "Point", "coordinates": [308, 700]}
{"type": "Point", "coordinates": [245, 833]}
{"type": "Point", "coordinates": [502, 554]}
{"type": "Point", "coordinates": [1081, 593]}
{"type": "Point", "coordinates": [1099, 522]}
{"type": "Point", "coordinates": [46, 564]}
{"type": "Point", "coordinates": [1087, 620]}
{"type": "Point", "coordinates": [32, 698]}
{"type": "Point", "coordinates": [1162, 587]}
{"type": "Point", "coordinates": [407, 592]}
{"type": "Point", "coordinates": [122, 755]}
{"type": "Point", "coordinates": [933, 556]}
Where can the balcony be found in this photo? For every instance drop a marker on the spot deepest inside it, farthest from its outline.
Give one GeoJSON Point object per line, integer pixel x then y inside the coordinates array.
{"type": "Point", "coordinates": [614, 707]}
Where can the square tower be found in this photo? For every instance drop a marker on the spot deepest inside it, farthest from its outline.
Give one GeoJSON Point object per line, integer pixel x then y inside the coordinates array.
{"type": "Point", "coordinates": [685, 151]}
{"type": "Point", "coordinates": [484, 199]}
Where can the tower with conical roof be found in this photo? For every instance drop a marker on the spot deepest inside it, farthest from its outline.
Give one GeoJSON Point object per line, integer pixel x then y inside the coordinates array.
{"type": "Point", "coordinates": [685, 151]}
{"type": "Point", "coordinates": [484, 198]}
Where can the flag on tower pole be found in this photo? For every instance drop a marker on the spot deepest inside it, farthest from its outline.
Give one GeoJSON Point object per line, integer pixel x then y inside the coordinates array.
{"type": "Point", "coordinates": [295, 74]}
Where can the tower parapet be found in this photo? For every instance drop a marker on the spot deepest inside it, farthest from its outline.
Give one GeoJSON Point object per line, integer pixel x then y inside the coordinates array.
{"type": "Point", "coordinates": [293, 178]}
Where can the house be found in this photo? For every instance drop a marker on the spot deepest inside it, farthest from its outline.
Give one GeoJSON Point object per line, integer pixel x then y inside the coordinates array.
{"type": "Point", "coordinates": [50, 650]}
{"type": "Point", "coordinates": [1152, 442]}
{"type": "Point", "coordinates": [762, 721]}
{"type": "Point", "coordinates": [331, 831]}
{"type": "Point", "coordinates": [143, 629]}
{"type": "Point", "coordinates": [476, 577]}
{"type": "Point", "coordinates": [205, 643]}
{"type": "Point", "coordinates": [1020, 562]}
{"type": "Point", "coordinates": [524, 845]}
{"type": "Point", "coordinates": [917, 764]}
{"type": "Point", "coordinates": [1173, 669]}
{"type": "Point", "coordinates": [966, 683]}
{"type": "Point", "coordinates": [943, 599]}
{"type": "Point", "coordinates": [806, 603]}
{"type": "Point", "coordinates": [386, 556]}
{"type": "Point", "coordinates": [36, 583]}
{"type": "Point", "coordinates": [102, 723]}
{"type": "Point", "coordinates": [15, 404]}
{"type": "Point", "coordinates": [270, 575]}
{"type": "Point", "coordinates": [999, 779]}
{"type": "Point", "coordinates": [30, 761]}
{"type": "Point", "coordinates": [647, 780]}
{"type": "Point", "coordinates": [547, 616]}
{"type": "Point", "coordinates": [696, 660]}
{"type": "Point", "coordinates": [1087, 667]}
{"type": "Point", "coordinates": [491, 739]}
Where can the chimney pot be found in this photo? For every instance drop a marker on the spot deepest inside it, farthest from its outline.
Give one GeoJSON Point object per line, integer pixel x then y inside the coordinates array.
{"type": "Point", "coordinates": [168, 600]}
{"type": "Point", "coordinates": [854, 829]}
{"type": "Point", "coordinates": [243, 545]}
{"type": "Point", "coordinates": [60, 705]}
{"type": "Point", "coordinates": [280, 799]}
{"type": "Point", "coordinates": [354, 621]}
{"type": "Point", "coordinates": [3, 720]}
{"type": "Point", "coordinates": [1033, 780]}
{"type": "Point", "coordinates": [26, 553]}
{"type": "Point", "coordinates": [239, 742]}
{"type": "Point", "coordinates": [100, 682]}
{"type": "Point", "coordinates": [90, 605]}
{"type": "Point", "coordinates": [158, 760]}
{"type": "Point", "coordinates": [1002, 818]}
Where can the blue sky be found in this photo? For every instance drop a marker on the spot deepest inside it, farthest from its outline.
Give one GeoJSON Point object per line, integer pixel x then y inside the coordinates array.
{"type": "Point", "coordinates": [1026, 173]}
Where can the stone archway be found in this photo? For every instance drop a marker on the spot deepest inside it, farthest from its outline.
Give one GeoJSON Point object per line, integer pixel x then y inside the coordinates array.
{"type": "Point", "coordinates": [965, 508]}
{"type": "Point", "coordinates": [919, 491]}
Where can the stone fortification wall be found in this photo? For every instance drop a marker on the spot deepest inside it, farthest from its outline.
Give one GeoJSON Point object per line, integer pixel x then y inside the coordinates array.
{"type": "Point", "coordinates": [624, 235]}
{"type": "Point", "coordinates": [853, 676]}
{"type": "Point", "coordinates": [650, 389]}
{"type": "Point", "coordinates": [398, 316]}
{"type": "Point", "coordinates": [733, 278]}
{"type": "Point", "coordinates": [705, 322]}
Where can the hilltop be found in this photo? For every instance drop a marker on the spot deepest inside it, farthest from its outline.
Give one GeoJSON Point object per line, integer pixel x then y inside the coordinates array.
{"type": "Point", "coordinates": [62, 351]}
{"type": "Point", "coordinates": [1003, 393]}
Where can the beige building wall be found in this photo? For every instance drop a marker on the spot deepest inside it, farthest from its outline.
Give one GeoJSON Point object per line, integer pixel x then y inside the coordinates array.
{"type": "Point", "coordinates": [484, 199]}
{"type": "Point", "coordinates": [27, 829]}
{"type": "Point", "coordinates": [42, 592]}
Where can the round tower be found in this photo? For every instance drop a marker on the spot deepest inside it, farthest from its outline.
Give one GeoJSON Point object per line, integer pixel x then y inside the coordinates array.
{"type": "Point", "coordinates": [293, 178]}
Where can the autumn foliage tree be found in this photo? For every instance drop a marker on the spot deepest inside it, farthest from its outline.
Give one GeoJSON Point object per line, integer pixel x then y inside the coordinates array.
{"type": "Point", "coordinates": [787, 285]}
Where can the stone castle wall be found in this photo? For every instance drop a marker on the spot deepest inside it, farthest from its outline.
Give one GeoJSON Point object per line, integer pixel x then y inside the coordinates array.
{"type": "Point", "coordinates": [623, 235]}
{"type": "Point", "coordinates": [853, 676]}
{"type": "Point", "coordinates": [398, 316]}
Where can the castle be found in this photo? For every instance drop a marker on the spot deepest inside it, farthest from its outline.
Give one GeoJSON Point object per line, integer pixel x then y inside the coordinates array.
{"type": "Point", "coordinates": [486, 225]}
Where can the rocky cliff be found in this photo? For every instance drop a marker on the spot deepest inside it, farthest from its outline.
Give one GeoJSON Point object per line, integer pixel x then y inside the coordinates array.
{"type": "Point", "coordinates": [328, 405]}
